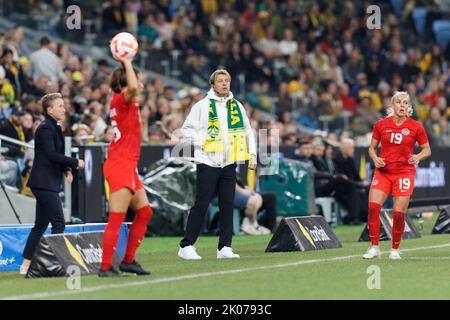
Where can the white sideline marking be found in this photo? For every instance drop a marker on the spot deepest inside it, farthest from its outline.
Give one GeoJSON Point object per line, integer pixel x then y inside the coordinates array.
{"type": "Point", "coordinates": [200, 275]}
{"type": "Point", "coordinates": [426, 258]}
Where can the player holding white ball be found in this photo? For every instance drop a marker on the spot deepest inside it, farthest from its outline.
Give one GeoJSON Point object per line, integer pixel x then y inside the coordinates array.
{"type": "Point", "coordinates": [120, 168]}
{"type": "Point", "coordinates": [124, 45]}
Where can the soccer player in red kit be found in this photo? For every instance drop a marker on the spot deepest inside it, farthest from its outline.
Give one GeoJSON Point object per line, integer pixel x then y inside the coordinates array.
{"type": "Point", "coordinates": [120, 170]}
{"type": "Point", "coordinates": [395, 169]}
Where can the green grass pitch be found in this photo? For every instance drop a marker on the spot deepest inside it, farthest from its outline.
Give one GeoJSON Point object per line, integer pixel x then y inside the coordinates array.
{"type": "Point", "coordinates": [423, 272]}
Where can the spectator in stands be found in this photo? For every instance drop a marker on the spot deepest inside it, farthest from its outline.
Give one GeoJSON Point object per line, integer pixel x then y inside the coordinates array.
{"type": "Point", "coordinates": [12, 128]}
{"type": "Point", "coordinates": [27, 126]}
{"type": "Point", "coordinates": [352, 67]}
{"type": "Point", "coordinates": [259, 210]}
{"type": "Point", "coordinates": [288, 45]}
{"type": "Point", "coordinates": [433, 126]}
{"type": "Point", "coordinates": [113, 19]}
{"type": "Point", "coordinates": [147, 31]}
{"type": "Point", "coordinates": [354, 202]}
{"type": "Point", "coordinates": [366, 115]}
{"type": "Point", "coordinates": [348, 102]}
{"type": "Point", "coordinates": [14, 73]}
{"type": "Point", "coordinates": [8, 171]}
{"type": "Point", "coordinates": [325, 182]}
{"type": "Point", "coordinates": [82, 134]}
{"type": "Point", "coordinates": [164, 28]}
{"type": "Point", "coordinates": [108, 135]}
{"type": "Point", "coordinates": [44, 62]}
{"type": "Point", "coordinates": [14, 41]}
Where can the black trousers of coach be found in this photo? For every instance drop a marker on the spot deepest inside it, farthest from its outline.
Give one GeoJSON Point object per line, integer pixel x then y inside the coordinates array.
{"type": "Point", "coordinates": [210, 180]}
{"type": "Point", "coordinates": [48, 209]}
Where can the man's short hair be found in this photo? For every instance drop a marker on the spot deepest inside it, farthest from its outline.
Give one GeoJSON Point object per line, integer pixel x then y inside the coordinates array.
{"type": "Point", "coordinates": [45, 41]}
{"type": "Point", "coordinates": [212, 79]}
{"type": "Point", "coordinates": [317, 143]}
{"type": "Point", "coordinates": [47, 100]}
{"type": "Point", "coordinates": [347, 142]}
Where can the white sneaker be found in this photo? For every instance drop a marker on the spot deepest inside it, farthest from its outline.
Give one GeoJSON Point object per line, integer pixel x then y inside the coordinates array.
{"type": "Point", "coordinates": [263, 230]}
{"type": "Point", "coordinates": [248, 228]}
{"type": "Point", "coordinates": [188, 253]}
{"type": "Point", "coordinates": [226, 253]}
{"type": "Point", "coordinates": [253, 229]}
{"type": "Point", "coordinates": [373, 252]}
{"type": "Point", "coordinates": [394, 255]}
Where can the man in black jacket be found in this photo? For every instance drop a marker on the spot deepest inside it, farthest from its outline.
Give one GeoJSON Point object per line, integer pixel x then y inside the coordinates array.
{"type": "Point", "coordinates": [354, 189]}
{"type": "Point", "coordinates": [49, 165]}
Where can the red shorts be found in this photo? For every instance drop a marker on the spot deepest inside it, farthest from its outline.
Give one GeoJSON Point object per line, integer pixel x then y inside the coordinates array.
{"type": "Point", "coordinates": [399, 184]}
{"type": "Point", "coordinates": [122, 173]}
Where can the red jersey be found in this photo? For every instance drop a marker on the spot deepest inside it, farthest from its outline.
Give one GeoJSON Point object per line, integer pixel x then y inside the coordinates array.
{"type": "Point", "coordinates": [126, 123]}
{"type": "Point", "coordinates": [397, 143]}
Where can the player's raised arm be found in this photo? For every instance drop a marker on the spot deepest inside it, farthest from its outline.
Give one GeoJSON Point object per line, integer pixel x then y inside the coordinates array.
{"type": "Point", "coordinates": [132, 83]}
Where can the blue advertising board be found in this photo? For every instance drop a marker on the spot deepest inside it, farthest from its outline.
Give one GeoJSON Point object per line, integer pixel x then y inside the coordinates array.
{"type": "Point", "coordinates": [13, 239]}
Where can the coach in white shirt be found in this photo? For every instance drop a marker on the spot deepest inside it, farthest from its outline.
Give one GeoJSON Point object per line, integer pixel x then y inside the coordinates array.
{"type": "Point", "coordinates": [220, 131]}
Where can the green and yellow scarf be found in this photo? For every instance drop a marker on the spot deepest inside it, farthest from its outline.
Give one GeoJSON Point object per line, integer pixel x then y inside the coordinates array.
{"type": "Point", "coordinates": [237, 140]}
{"type": "Point", "coordinates": [20, 133]}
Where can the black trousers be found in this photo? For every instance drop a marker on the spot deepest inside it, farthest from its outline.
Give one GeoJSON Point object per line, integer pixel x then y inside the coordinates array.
{"type": "Point", "coordinates": [48, 209]}
{"type": "Point", "coordinates": [269, 220]}
{"type": "Point", "coordinates": [210, 179]}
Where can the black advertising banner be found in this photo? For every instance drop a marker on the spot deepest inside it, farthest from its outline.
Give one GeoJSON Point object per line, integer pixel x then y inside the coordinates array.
{"type": "Point", "coordinates": [387, 222]}
{"type": "Point", "coordinates": [303, 234]}
{"type": "Point", "coordinates": [432, 174]}
{"type": "Point", "coordinates": [91, 187]}
{"type": "Point", "coordinates": [430, 182]}
{"type": "Point", "coordinates": [61, 254]}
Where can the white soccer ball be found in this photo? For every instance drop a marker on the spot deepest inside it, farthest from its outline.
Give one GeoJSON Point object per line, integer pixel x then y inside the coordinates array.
{"type": "Point", "coordinates": [124, 45]}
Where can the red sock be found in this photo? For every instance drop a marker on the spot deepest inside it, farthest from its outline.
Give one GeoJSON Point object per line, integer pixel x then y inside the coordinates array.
{"type": "Point", "coordinates": [398, 228]}
{"type": "Point", "coordinates": [137, 232]}
{"type": "Point", "coordinates": [374, 222]}
{"type": "Point", "coordinates": [110, 238]}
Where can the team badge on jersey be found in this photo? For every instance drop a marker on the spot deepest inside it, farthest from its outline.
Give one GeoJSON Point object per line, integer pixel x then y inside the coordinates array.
{"type": "Point", "coordinates": [405, 131]}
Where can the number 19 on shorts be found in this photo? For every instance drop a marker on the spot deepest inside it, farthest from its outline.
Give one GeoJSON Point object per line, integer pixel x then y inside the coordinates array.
{"type": "Point", "coordinates": [404, 184]}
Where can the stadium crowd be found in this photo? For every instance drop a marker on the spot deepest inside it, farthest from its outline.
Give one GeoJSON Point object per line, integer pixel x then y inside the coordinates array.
{"type": "Point", "coordinates": [296, 65]}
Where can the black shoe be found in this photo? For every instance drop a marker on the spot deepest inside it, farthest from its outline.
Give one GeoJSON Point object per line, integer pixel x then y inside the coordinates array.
{"type": "Point", "coordinates": [134, 267]}
{"type": "Point", "coordinates": [111, 273]}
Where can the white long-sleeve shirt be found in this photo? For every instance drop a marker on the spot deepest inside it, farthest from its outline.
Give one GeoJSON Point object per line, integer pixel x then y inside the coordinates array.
{"type": "Point", "coordinates": [196, 124]}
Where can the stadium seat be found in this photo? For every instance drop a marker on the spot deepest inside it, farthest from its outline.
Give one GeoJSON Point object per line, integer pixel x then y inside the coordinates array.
{"type": "Point", "coordinates": [441, 29]}
{"type": "Point", "coordinates": [420, 15]}
{"type": "Point", "coordinates": [329, 208]}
